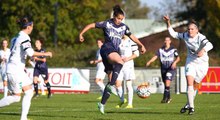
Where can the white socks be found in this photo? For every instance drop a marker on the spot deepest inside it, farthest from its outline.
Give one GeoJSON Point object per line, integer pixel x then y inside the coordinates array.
{"type": "Point", "coordinates": [42, 87]}
{"type": "Point", "coordinates": [190, 94]}
{"type": "Point", "coordinates": [26, 103]}
{"type": "Point", "coordinates": [101, 85]}
{"type": "Point", "coordinates": [9, 100]}
{"type": "Point", "coordinates": [130, 92]}
{"type": "Point", "coordinates": [120, 93]}
{"type": "Point", "coordinates": [5, 91]}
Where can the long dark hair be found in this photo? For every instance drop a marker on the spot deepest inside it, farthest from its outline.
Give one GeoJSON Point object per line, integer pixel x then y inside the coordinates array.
{"type": "Point", "coordinates": [117, 10]}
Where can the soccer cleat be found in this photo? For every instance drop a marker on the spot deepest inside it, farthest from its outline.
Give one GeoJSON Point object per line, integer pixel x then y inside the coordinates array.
{"type": "Point", "coordinates": [121, 103]}
{"type": "Point", "coordinates": [184, 109]}
{"type": "Point", "coordinates": [43, 93]}
{"type": "Point", "coordinates": [101, 108]}
{"type": "Point", "coordinates": [99, 98]}
{"type": "Point", "coordinates": [49, 95]}
{"type": "Point", "coordinates": [163, 101]}
{"type": "Point", "coordinates": [129, 107]}
{"type": "Point", "coordinates": [168, 100]}
{"type": "Point", "coordinates": [191, 111]}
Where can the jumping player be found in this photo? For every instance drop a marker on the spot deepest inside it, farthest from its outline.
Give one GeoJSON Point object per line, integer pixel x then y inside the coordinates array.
{"type": "Point", "coordinates": [197, 64]}
{"type": "Point", "coordinates": [128, 52]}
{"type": "Point", "coordinates": [4, 55]}
{"type": "Point", "coordinates": [40, 69]}
{"type": "Point", "coordinates": [18, 80]}
{"type": "Point", "coordinates": [113, 30]}
{"type": "Point", "coordinates": [169, 57]}
{"type": "Point", "coordinates": [100, 73]}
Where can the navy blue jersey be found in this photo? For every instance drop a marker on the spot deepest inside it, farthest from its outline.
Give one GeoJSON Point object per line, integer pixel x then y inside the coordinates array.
{"type": "Point", "coordinates": [167, 57]}
{"type": "Point", "coordinates": [113, 33]}
{"type": "Point", "coordinates": [41, 64]}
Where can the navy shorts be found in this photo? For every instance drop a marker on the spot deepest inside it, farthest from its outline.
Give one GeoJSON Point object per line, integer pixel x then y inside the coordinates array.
{"type": "Point", "coordinates": [105, 50]}
{"type": "Point", "coordinates": [168, 74]}
{"type": "Point", "coordinates": [42, 72]}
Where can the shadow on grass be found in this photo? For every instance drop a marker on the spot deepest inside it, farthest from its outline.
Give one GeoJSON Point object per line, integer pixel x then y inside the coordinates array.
{"type": "Point", "coordinates": [11, 114]}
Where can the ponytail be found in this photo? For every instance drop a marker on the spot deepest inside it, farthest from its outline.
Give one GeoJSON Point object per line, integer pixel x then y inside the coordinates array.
{"type": "Point", "coordinates": [117, 10]}
{"type": "Point", "coordinates": [24, 22]}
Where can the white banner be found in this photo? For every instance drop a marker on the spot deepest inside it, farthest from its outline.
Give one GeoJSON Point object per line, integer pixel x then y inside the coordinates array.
{"type": "Point", "coordinates": [67, 80]}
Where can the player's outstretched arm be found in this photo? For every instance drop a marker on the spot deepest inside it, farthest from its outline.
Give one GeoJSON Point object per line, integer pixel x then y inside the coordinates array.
{"type": "Point", "coordinates": [140, 45]}
{"type": "Point", "coordinates": [47, 54]}
{"type": "Point", "coordinates": [88, 27]}
{"type": "Point", "coordinates": [166, 18]}
{"type": "Point", "coordinates": [151, 60]}
{"type": "Point", "coordinates": [173, 33]}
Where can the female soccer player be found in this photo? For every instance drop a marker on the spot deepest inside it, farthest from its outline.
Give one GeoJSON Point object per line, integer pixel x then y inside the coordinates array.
{"type": "Point", "coordinates": [40, 69]}
{"type": "Point", "coordinates": [100, 73]}
{"type": "Point", "coordinates": [169, 57]}
{"type": "Point", "coordinates": [114, 30]}
{"type": "Point", "coordinates": [128, 52]}
{"type": "Point", "coordinates": [197, 64]}
{"type": "Point", "coordinates": [4, 55]}
{"type": "Point", "coordinates": [17, 78]}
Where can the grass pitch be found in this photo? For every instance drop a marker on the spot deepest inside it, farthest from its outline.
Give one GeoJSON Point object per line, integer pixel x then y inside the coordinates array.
{"type": "Point", "coordinates": [84, 107]}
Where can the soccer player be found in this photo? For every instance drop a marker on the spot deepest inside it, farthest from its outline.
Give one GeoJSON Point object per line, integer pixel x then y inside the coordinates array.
{"type": "Point", "coordinates": [169, 57]}
{"type": "Point", "coordinates": [4, 55]}
{"type": "Point", "coordinates": [100, 73]}
{"type": "Point", "coordinates": [128, 52]}
{"type": "Point", "coordinates": [40, 69]}
{"type": "Point", "coordinates": [113, 30]}
{"type": "Point", "coordinates": [18, 80]}
{"type": "Point", "coordinates": [197, 64]}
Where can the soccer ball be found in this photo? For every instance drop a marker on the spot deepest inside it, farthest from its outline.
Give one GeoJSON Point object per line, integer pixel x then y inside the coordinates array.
{"type": "Point", "coordinates": [143, 91]}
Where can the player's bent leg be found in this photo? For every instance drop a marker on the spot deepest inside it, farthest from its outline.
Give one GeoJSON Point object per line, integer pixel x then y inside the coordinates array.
{"type": "Point", "coordinates": [48, 88]}
{"type": "Point", "coordinates": [130, 94]}
{"type": "Point", "coordinates": [9, 100]}
{"type": "Point", "coordinates": [106, 94]}
{"type": "Point", "coordinates": [121, 96]}
{"type": "Point", "coordinates": [101, 85]}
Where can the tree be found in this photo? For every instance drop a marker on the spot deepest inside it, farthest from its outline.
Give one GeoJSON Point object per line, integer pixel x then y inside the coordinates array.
{"type": "Point", "coordinates": [134, 9]}
{"type": "Point", "coordinates": [58, 23]}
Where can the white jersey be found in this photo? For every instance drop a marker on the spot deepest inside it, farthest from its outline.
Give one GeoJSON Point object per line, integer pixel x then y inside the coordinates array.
{"type": "Point", "coordinates": [4, 55]}
{"type": "Point", "coordinates": [20, 48]}
{"type": "Point", "coordinates": [194, 45]}
{"type": "Point", "coordinates": [127, 48]}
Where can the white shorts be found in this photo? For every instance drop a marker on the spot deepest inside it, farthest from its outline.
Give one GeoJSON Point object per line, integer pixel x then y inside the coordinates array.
{"type": "Point", "coordinates": [126, 74]}
{"type": "Point", "coordinates": [18, 80]}
{"type": "Point", "coordinates": [197, 71]}
{"type": "Point", "coordinates": [100, 74]}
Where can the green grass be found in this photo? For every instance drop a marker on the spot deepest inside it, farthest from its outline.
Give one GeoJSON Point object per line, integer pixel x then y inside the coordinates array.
{"type": "Point", "coordinates": [84, 107]}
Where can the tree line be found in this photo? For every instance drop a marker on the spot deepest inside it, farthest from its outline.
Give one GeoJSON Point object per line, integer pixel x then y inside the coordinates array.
{"type": "Point", "coordinates": [58, 23]}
